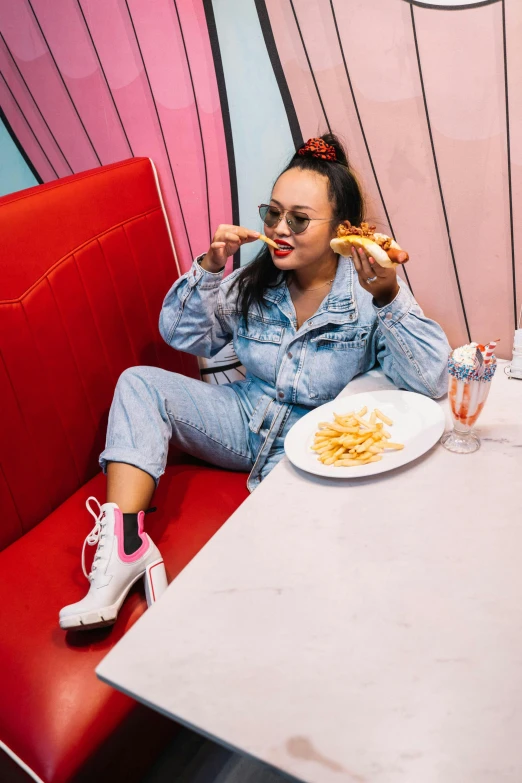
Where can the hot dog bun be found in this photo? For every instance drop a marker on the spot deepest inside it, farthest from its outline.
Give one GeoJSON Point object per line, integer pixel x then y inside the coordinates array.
{"type": "Point", "coordinates": [343, 244]}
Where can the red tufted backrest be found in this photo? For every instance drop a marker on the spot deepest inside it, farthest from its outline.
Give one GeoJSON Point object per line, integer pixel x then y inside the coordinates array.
{"type": "Point", "coordinates": [84, 265]}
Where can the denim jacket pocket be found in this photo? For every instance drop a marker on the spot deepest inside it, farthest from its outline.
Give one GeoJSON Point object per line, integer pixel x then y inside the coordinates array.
{"type": "Point", "coordinates": [258, 346]}
{"type": "Point", "coordinates": [337, 357]}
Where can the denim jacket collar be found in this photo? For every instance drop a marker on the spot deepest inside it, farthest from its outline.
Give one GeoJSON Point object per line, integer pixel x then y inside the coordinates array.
{"type": "Point", "coordinates": [340, 299]}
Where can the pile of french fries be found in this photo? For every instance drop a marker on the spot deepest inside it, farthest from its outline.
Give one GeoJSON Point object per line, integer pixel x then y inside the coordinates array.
{"type": "Point", "coordinates": [352, 440]}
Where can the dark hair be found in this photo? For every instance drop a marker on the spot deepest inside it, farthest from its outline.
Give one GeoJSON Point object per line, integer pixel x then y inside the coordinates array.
{"type": "Point", "coordinates": [347, 200]}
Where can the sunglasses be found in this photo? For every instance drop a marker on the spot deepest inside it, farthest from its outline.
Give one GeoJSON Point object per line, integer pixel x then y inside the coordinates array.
{"type": "Point", "coordinates": [297, 221]}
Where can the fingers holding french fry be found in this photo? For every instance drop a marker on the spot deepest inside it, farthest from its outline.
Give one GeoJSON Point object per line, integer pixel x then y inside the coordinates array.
{"type": "Point", "coordinates": [352, 440]}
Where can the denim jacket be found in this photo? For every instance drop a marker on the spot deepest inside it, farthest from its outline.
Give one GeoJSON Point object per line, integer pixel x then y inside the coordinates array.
{"type": "Point", "coordinates": [291, 370]}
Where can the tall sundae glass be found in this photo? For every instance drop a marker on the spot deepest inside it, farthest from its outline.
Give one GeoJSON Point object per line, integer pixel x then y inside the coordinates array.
{"type": "Point", "coordinates": [471, 369]}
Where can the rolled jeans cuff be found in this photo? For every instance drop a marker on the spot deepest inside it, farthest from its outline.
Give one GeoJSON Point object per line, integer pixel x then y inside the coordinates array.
{"type": "Point", "coordinates": [131, 457]}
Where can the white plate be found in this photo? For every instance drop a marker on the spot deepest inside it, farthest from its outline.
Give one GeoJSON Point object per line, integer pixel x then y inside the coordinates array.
{"type": "Point", "coordinates": [418, 422]}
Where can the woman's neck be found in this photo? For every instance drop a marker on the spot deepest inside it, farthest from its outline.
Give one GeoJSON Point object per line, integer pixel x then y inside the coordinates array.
{"type": "Point", "coordinates": [317, 273]}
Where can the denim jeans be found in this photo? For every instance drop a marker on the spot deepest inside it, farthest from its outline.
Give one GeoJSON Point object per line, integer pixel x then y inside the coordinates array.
{"type": "Point", "coordinates": [232, 426]}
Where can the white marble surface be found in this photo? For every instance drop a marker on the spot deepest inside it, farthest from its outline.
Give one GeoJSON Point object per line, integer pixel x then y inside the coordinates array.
{"type": "Point", "coordinates": [363, 630]}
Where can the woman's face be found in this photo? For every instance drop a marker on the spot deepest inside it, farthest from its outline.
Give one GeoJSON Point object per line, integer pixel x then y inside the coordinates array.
{"type": "Point", "coordinates": [305, 192]}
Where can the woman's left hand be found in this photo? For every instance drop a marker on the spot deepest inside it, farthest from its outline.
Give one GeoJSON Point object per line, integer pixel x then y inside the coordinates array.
{"type": "Point", "coordinates": [385, 287]}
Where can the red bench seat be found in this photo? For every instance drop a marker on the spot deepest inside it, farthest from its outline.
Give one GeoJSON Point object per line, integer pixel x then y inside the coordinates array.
{"type": "Point", "coordinates": [84, 265]}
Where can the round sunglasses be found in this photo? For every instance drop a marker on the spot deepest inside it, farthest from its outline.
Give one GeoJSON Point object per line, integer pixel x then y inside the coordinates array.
{"type": "Point", "coordinates": [297, 221]}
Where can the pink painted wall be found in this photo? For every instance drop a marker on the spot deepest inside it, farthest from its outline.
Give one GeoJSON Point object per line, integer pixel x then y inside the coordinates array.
{"type": "Point", "coordinates": [375, 98]}
{"type": "Point", "coordinates": [145, 104]}
{"type": "Point", "coordinates": [424, 116]}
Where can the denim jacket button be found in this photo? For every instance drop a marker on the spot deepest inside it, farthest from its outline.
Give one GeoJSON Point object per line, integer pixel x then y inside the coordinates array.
{"type": "Point", "coordinates": [290, 355]}
{"type": "Point", "coordinates": [389, 316]}
{"type": "Point", "coordinates": [280, 394]}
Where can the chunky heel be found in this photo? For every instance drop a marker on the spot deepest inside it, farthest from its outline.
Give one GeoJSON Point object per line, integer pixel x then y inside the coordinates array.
{"type": "Point", "coordinates": [155, 579]}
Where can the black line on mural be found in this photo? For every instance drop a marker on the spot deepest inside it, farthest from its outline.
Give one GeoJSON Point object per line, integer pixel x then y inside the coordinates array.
{"type": "Point", "coordinates": [199, 121]}
{"type": "Point", "coordinates": [36, 105]}
{"type": "Point", "coordinates": [441, 7]}
{"type": "Point", "coordinates": [220, 368]}
{"type": "Point", "coordinates": [63, 82]}
{"type": "Point", "coordinates": [508, 144]}
{"type": "Point", "coordinates": [105, 77]}
{"type": "Point", "coordinates": [225, 114]}
{"type": "Point", "coordinates": [13, 136]}
{"type": "Point", "coordinates": [217, 369]}
{"type": "Point", "coordinates": [438, 173]}
{"type": "Point", "coordinates": [268, 35]}
{"type": "Point", "coordinates": [363, 133]}
{"type": "Point", "coordinates": [160, 127]}
{"type": "Point", "coordinates": [310, 66]}
{"type": "Point", "coordinates": [17, 144]}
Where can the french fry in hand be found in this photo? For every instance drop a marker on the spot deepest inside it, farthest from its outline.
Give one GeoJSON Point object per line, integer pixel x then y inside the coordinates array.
{"type": "Point", "coordinates": [268, 241]}
{"type": "Point", "coordinates": [352, 440]}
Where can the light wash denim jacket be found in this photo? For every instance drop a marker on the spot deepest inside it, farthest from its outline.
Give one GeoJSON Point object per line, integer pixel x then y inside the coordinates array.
{"type": "Point", "coordinates": [291, 370]}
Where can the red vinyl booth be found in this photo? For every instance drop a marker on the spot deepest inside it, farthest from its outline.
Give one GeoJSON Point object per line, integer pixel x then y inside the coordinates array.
{"type": "Point", "coordinates": [84, 265]}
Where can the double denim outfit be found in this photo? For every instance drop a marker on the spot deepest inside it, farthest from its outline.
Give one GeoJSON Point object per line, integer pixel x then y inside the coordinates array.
{"type": "Point", "coordinates": [242, 425]}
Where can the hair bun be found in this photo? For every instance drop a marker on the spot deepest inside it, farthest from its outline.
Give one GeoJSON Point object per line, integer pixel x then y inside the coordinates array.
{"type": "Point", "coordinates": [340, 152]}
{"type": "Point", "coordinates": [318, 148]}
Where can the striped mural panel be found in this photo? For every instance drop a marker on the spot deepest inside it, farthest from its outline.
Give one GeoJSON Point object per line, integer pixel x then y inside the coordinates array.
{"type": "Point", "coordinates": [220, 93]}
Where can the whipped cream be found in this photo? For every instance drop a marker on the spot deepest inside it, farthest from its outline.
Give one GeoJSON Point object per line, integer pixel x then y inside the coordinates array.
{"type": "Point", "coordinates": [465, 354]}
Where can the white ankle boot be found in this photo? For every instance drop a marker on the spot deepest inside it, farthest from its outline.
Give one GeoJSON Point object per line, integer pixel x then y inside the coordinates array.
{"type": "Point", "coordinates": [113, 572]}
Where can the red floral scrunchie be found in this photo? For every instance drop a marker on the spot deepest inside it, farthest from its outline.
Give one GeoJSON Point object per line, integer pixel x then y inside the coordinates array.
{"type": "Point", "coordinates": [317, 148]}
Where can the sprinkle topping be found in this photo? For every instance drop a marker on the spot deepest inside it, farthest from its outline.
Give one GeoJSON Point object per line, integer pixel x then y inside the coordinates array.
{"type": "Point", "coordinates": [463, 365]}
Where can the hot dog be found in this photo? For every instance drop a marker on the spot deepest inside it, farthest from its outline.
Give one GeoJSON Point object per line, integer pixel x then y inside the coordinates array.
{"type": "Point", "coordinates": [365, 236]}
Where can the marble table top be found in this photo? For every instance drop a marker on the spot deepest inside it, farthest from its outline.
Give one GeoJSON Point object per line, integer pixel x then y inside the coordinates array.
{"type": "Point", "coordinates": [356, 631]}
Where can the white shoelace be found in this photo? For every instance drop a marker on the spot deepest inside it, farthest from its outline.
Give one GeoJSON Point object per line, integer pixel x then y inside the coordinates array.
{"type": "Point", "coordinates": [95, 536]}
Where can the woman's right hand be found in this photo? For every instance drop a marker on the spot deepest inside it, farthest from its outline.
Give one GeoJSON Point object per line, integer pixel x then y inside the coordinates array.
{"type": "Point", "coordinates": [227, 240]}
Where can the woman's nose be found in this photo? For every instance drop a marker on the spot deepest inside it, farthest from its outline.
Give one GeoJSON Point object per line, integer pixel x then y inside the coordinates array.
{"type": "Point", "coordinates": [282, 229]}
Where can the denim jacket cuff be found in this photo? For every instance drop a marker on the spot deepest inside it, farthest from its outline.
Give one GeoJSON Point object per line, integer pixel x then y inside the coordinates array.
{"type": "Point", "coordinates": [208, 279]}
{"type": "Point", "coordinates": [392, 313]}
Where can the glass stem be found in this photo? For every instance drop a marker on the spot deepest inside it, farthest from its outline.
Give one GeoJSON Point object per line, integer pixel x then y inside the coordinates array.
{"type": "Point", "coordinates": [462, 429]}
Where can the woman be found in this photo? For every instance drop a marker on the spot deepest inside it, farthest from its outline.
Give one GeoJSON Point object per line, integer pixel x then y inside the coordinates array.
{"type": "Point", "coordinates": [303, 322]}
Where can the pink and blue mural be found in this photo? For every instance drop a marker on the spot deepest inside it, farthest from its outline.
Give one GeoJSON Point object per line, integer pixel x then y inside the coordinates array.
{"type": "Point", "coordinates": [219, 93]}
